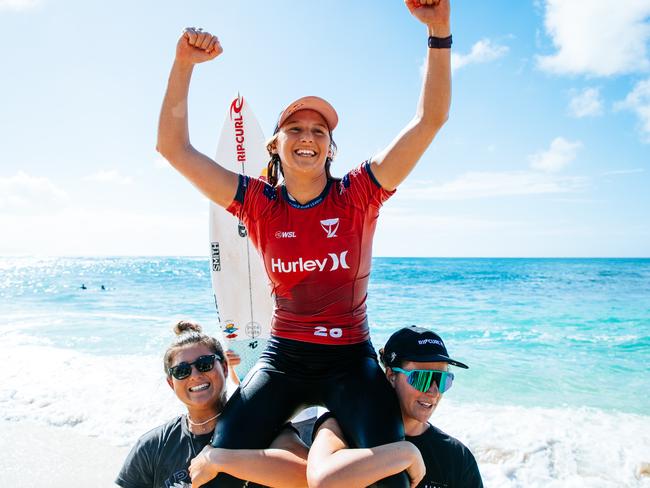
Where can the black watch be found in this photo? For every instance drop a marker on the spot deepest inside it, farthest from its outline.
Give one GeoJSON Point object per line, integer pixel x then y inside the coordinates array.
{"type": "Point", "coordinates": [439, 42]}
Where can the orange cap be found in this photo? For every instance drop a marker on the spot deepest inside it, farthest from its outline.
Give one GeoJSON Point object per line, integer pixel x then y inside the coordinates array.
{"type": "Point", "coordinates": [316, 104]}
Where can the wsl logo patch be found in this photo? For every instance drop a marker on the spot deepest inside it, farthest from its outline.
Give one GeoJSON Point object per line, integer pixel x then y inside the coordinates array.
{"type": "Point", "coordinates": [330, 226]}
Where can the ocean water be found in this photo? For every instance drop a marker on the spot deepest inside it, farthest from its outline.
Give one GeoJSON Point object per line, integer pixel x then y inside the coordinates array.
{"type": "Point", "coordinates": [557, 393]}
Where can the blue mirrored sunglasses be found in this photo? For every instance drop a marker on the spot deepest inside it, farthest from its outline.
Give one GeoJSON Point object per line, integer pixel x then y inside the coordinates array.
{"type": "Point", "coordinates": [421, 379]}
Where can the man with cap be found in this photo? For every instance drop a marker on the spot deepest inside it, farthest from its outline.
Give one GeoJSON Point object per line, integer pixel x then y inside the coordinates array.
{"type": "Point", "coordinates": [417, 366]}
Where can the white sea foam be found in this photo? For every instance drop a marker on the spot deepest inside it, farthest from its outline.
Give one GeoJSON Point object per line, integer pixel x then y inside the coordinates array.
{"type": "Point", "coordinates": [551, 447]}
{"type": "Point", "coordinates": [113, 397]}
{"type": "Point", "coordinates": [118, 398]}
{"type": "Point", "coordinates": [43, 318]}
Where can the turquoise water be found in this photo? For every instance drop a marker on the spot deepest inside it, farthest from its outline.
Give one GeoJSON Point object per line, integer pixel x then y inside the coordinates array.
{"type": "Point", "coordinates": [535, 332]}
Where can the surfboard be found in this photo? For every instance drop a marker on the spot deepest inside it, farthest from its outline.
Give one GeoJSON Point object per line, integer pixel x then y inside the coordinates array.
{"type": "Point", "coordinates": [242, 293]}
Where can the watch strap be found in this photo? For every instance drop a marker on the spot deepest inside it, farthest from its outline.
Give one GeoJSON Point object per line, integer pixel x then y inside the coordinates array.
{"type": "Point", "coordinates": [439, 42]}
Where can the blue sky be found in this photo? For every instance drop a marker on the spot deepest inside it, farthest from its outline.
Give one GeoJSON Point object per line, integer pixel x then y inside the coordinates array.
{"type": "Point", "coordinates": [546, 153]}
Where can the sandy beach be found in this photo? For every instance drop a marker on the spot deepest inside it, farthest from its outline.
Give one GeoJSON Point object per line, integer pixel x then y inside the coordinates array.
{"type": "Point", "coordinates": [36, 456]}
{"type": "Point", "coordinates": [510, 453]}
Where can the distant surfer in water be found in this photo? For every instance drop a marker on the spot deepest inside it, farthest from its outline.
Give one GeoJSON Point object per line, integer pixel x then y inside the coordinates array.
{"type": "Point", "coordinates": [314, 233]}
{"type": "Point", "coordinates": [196, 370]}
{"type": "Point", "coordinates": [417, 367]}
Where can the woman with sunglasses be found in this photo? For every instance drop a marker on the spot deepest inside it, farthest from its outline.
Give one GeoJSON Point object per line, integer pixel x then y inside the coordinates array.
{"type": "Point", "coordinates": [320, 351]}
{"type": "Point", "coordinates": [417, 367]}
{"type": "Point", "coordinates": [196, 370]}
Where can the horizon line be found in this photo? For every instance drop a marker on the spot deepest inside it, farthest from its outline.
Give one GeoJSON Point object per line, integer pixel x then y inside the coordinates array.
{"type": "Point", "coordinates": [79, 256]}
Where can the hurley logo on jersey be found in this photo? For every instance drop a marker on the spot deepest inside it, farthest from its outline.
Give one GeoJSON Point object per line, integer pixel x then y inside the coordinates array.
{"type": "Point", "coordinates": [331, 263]}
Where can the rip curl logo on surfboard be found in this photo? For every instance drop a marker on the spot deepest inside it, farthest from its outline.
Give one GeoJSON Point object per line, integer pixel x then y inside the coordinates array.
{"type": "Point", "coordinates": [236, 107]}
{"type": "Point", "coordinates": [230, 330]}
{"type": "Point", "coordinates": [238, 121]}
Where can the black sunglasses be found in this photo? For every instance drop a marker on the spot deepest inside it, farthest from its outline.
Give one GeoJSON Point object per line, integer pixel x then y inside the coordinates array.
{"type": "Point", "coordinates": [203, 364]}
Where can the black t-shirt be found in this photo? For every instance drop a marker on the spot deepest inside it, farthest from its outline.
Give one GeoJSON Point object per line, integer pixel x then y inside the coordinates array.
{"type": "Point", "coordinates": [161, 457]}
{"type": "Point", "coordinates": [448, 462]}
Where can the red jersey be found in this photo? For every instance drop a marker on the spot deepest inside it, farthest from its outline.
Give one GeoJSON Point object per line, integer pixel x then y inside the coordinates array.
{"type": "Point", "coordinates": [317, 255]}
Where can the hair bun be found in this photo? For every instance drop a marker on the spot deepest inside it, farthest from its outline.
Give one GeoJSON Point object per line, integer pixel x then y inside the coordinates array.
{"type": "Point", "coordinates": [186, 326]}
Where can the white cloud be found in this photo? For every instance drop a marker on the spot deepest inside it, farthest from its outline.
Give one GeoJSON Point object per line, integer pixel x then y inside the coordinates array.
{"type": "Point", "coordinates": [23, 192]}
{"type": "Point", "coordinates": [485, 233]}
{"type": "Point", "coordinates": [618, 172]}
{"type": "Point", "coordinates": [110, 176]}
{"type": "Point", "coordinates": [18, 4]}
{"type": "Point", "coordinates": [86, 232]}
{"type": "Point", "coordinates": [474, 185]}
{"type": "Point", "coordinates": [556, 157]}
{"type": "Point", "coordinates": [597, 37]}
{"type": "Point", "coordinates": [586, 103]}
{"type": "Point", "coordinates": [440, 235]}
{"type": "Point", "coordinates": [483, 51]}
{"type": "Point", "coordinates": [638, 101]}
{"type": "Point", "coordinates": [409, 219]}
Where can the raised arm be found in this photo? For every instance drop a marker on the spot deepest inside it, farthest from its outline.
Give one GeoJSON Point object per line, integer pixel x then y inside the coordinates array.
{"type": "Point", "coordinates": [214, 181]}
{"type": "Point", "coordinates": [393, 164]}
{"type": "Point", "coordinates": [332, 464]}
{"type": "Point", "coordinates": [282, 465]}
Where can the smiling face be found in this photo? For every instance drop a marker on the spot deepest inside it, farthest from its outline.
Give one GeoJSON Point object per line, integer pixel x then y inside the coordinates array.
{"type": "Point", "coordinates": [200, 392]}
{"type": "Point", "coordinates": [303, 144]}
{"type": "Point", "coordinates": [415, 405]}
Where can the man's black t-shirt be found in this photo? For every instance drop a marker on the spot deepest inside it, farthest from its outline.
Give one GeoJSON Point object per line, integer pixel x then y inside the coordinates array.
{"type": "Point", "coordinates": [448, 462]}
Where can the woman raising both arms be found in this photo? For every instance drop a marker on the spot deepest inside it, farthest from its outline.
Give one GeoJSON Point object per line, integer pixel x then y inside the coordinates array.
{"type": "Point", "coordinates": [320, 351]}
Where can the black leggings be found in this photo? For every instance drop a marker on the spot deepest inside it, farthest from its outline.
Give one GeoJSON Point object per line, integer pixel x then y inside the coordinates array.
{"type": "Point", "coordinates": [292, 375]}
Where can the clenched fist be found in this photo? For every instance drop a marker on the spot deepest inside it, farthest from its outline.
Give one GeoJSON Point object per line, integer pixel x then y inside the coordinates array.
{"type": "Point", "coordinates": [430, 12]}
{"type": "Point", "coordinates": [196, 46]}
